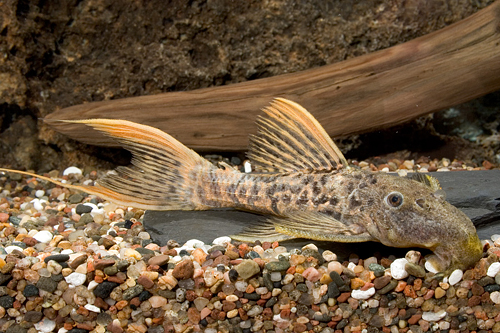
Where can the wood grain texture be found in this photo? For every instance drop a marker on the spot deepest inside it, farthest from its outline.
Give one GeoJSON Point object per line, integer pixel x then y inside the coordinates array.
{"type": "Point", "coordinates": [377, 90]}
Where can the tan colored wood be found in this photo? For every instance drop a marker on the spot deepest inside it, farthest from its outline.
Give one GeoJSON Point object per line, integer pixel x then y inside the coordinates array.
{"type": "Point", "coordinates": [381, 89]}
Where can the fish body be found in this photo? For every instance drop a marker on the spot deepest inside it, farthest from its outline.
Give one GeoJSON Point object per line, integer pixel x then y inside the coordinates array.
{"type": "Point", "coordinates": [302, 182]}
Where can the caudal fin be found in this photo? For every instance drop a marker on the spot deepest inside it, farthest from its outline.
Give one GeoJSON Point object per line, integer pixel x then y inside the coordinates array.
{"type": "Point", "coordinates": [162, 174]}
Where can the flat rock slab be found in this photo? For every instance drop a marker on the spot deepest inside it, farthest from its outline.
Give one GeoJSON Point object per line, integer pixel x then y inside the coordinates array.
{"type": "Point", "coordinates": [477, 193]}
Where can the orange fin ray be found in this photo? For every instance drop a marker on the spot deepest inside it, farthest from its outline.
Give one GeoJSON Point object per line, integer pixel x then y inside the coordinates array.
{"type": "Point", "coordinates": [291, 139]}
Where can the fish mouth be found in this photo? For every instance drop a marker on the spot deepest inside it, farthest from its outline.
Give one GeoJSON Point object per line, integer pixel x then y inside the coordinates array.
{"type": "Point", "coordinates": [457, 255]}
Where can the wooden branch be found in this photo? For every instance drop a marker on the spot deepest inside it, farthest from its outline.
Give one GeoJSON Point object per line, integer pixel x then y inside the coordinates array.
{"type": "Point", "coordinates": [381, 89]}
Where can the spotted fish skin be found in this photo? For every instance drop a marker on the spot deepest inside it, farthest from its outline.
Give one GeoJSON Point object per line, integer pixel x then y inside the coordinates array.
{"type": "Point", "coordinates": [329, 192]}
{"type": "Point", "coordinates": [302, 183]}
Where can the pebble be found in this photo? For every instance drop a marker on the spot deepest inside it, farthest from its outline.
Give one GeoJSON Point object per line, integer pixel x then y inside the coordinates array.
{"type": "Point", "coordinates": [43, 236]}
{"type": "Point", "coordinates": [493, 269]}
{"type": "Point", "coordinates": [72, 170]}
{"type": "Point", "coordinates": [455, 277]}
{"type": "Point", "coordinates": [433, 316]}
{"type": "Point", "coordinates": [65, 274]}
{"type": "Point", "coordinates": [363, 294]}
{"type": "Point", "coordinates": [76, 279]}
{"type": "Point", "coordinates": [398, 271]}
{"type": "Point", "coordinates": [46, 325]}
{"type": "Point", "coordinates": [247, 268]}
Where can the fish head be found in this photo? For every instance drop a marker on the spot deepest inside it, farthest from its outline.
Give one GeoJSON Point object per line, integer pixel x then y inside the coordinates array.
{"type": "Point", "coordinates": [410, 213]}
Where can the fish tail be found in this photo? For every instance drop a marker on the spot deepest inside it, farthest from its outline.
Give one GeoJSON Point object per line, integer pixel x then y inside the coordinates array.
{"type": "Point", "coordinates": [163, 173]}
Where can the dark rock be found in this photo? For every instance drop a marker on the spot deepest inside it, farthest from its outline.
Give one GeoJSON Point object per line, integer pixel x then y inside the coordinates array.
{"type": "Point", "coordinates": [57, 257]}
{"type": "Point", "coordinates": [30, 290]}
{"type": "Point", "coordinates": [336, 278]}
{"type": "Point", "coordinates": [47, 284]}
{"type": "Point", "coordinates": [278, 266]}
{"type": "Point", "coordinates": [104, 289]}
{"type": "Point", "coordinates": [33, 316]}
{"type": "Point", "coordinates": [132, 292]}
{"type": "Point", "coordinates": [16, 328]}
{"type": "Point", "coordinates": [85, 219]}
{"type": "Point", "coordinates": [144, 296]}
{"type": "Point", "coordinates": [6, 301]}
{"type": "Point", "coordinates": [77, 330]}
{"type": "Point", "coordinates": [103, 318]}
{"type": "Point", "coordinates": [81, 209]}
{"type": "Point", "coordinates": [390, 286]}
{"type": "Point", "coordinates": [75, 198]}
{"type": "Point", "coordinates": [333, 290]}
{"type": "Point", "coordinates": [4, 278]}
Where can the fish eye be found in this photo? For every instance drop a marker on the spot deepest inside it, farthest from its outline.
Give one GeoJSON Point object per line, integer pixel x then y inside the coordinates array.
{"type": "Point", "coordinates": [394, 199]}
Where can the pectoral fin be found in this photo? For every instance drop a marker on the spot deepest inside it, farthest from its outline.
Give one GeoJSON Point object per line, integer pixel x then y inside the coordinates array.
{"type": "Point", "coordinates": [263, 231]}
{"type": "Point", "coordinates": [309, 225]}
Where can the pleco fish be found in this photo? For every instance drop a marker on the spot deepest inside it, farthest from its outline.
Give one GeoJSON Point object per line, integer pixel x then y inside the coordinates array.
{"type": "Point", "coordinates": [301, 181]}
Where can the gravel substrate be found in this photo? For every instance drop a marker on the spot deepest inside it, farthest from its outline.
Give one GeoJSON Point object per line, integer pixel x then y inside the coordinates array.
{"type": "Point", "coordinates": [74, 263]}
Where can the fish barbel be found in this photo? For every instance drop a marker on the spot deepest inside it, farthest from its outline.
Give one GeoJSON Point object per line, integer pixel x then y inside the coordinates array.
{"type": "Point", "coordinates": [302, 182]}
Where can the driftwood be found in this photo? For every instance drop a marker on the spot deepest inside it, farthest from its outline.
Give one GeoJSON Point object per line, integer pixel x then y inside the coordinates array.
{"type": "Point", "coordinates": [381, 89]}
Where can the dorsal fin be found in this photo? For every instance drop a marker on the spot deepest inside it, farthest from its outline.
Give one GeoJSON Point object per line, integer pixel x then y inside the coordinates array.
{"type": "Point", "coordinates": [425, 179]}
{"type": "Point", "coordinates": [290, 139]}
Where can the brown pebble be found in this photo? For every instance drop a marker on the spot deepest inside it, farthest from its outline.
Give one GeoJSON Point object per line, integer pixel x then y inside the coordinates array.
{"type": "Point", "coordinates": [100, 264]}
{"type": "Point", "coordinates": [221, 260]}
{"type": "Point", "coordinates": [183, 270]}
{"type": "Point", "coordinates": [84, 326]}
{"type": "Point", "coordinates": [121, 304]}
{"type": "Point", "coordinates": [29, 241]}
{"type": "Point", "coordinates": [194, 315]}
{"type": "Point", "coordinates": [191, 295]}
{"type": "Point", "coordinates": [99, 302]}
{"type": "Point", "coordinates": [299, 328]}
{"type": "Point", "coordinates": [118, 278]}
{"type": "Point", "coordinates": [343, 297]}
{"type": "Point", "coordinates": [474, 300]}
{"type": "Point", "coordinates": [414, 319]}
{"type": "Point", "coordinates": [78, 261]}
{"type": "Point", "coordinates": [228, 306]}
{"type": "Point", "coordinates": [145, 282]}
{"type": "Point", "coordinates": [135, 301]}
{"type": "Point", "coordinates": [160, 260]}
{"type": "Point", "coordinates": [381, 282]}
{"type": "Point", "coordinates": [116, 328]}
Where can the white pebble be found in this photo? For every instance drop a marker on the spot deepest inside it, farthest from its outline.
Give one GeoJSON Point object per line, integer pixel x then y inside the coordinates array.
{"type": "Point", "coordinates": [43, 236]}
{"type": "Point", "coordinates": [194, 243]}
{"type": "Point", "coordinates": [76, 279]}
{"type": "Point", "coordinates": [351, 265]}
{"type": "Point", "coordinates": [455, 277]}
{"type": "Point", "coordinates": [247, 166]}
{"type": "Point", "coordinates": [222, 240]}
{"type": "Point", "coordinates": [38, 203]}
{"type": "Point", "coordinates": [46, 325]}
{"type": "Point", "coordinates": [493, 269]}
{"type": "Point", "coordinates": [92, 285]}
{"type": "Point", "coordinates": [429, 267]}
{"type": "Point", "coordinates": [495, 297]}
{"type": "Point", "coordinates": [92, 308]}
{"type": "Point", "coordinates": [71, 170]}
{"type": "Point", "coordinates": [11, 248]}
{"type": "Point", "coordinates": [363, 294]}
{"type": "Point", "coordinates": [433, 316]}
{"type": "Point", "coordinates": [39, 193]}
{"type": "Point", "coordinates": [310, 246]}
{"type": "Point", "coordinates": [398, 271]}
{"type": "Point", "coordinates": [329, 255]}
